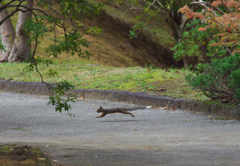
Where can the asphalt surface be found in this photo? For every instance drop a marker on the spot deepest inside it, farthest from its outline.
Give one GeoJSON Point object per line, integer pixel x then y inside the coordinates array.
{"type": "Point", "coordinates": [155, 137]}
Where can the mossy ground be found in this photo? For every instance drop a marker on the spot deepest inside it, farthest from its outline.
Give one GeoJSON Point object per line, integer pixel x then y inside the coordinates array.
{"type": "Point", "coordinates": [18, 155]}
{"type": "Point", "coordinates": [219, 103]}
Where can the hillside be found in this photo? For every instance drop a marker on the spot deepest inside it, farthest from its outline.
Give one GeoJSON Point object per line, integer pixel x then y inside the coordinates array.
{"type": "Point", "coordinates": [113, 47]}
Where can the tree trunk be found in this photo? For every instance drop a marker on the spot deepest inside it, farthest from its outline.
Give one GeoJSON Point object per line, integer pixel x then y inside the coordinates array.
{"type": "Point", "coordinates": [20, 49]}
{"type": "Point", "coordinates": [8, 36]}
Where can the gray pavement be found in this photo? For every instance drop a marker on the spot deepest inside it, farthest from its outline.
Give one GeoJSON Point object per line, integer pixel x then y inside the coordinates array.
{"type": "Point", "coordinates": [154, 137]}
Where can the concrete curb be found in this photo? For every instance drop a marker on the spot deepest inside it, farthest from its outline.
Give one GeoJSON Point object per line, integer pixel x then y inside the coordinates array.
{"type": "Point", "coordinates": [141, 98]}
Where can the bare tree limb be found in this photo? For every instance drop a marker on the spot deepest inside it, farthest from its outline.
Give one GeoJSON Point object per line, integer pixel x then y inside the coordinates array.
{"type": "Point", "coordinates": [217, 9]}
{"type": "Point", "coordinates": [204, 5]}
{"type": "Point", "coordinates": [12, 13]}
{"type": "Point", "coordinates": [178, 3]}
{"type": "Point", "coordinates": [208, 3]}
{"type": "Point", "coordinates": [183, 26]}
{"type": "Point", "coordinates": [4, 6]}
{"type": "Point", "coordinates": [159, 3]}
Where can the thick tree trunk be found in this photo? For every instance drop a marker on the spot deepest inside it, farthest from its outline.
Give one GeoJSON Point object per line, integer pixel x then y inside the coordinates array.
{"type": "Point", "coordinates": [8, 36]}
{"type": "Point", "coordinates": [20, 49]}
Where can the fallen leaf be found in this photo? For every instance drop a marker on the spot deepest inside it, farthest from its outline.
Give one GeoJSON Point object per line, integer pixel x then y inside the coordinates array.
{"type": "Point", "coordinates": [174, 109]}
{"type": "Point", "coordinates": [135, 129]}
{"type": "Point", "coordinates": [42, 159]}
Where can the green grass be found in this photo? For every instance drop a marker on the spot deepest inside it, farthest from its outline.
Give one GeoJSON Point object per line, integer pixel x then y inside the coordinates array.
{"type": "Point", "coordinates": [222, 118]}
{"type": "Point", "coordinates": [84, 74]}
{"type": "Point", "coordinates": [19, 129]}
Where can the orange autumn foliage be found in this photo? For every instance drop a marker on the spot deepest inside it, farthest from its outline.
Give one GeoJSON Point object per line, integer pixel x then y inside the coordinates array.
{"type": "Point", "coordinates": [226, 24]}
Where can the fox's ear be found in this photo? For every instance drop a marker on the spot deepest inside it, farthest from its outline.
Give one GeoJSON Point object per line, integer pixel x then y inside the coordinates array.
{"type": "Point", "coordinates": [100, 107]}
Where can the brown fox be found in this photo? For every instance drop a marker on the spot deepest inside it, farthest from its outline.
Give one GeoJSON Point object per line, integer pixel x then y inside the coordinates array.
{"type": "Point", "coordinates": [119, 110]}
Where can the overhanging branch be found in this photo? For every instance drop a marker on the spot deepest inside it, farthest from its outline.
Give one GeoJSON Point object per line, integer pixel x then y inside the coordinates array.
{"type": "Point", "coordinates": [12, 13]}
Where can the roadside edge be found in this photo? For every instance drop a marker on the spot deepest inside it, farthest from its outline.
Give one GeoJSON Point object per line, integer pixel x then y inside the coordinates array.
{"type": "Point", "coordinates": [141, 98]}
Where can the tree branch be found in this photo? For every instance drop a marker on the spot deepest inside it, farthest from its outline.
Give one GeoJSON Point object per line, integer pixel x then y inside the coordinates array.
{"type": "Point", "coordinates": [12, 13]}
{"type": "Point", "coordinates": [28, 9]}
{"type": "Point", "coordinates": [204, 5]}
{"type": "Point", "coordinates": [183, 26]}
{"type": "Point", "coordinates": [228, 8]}
{"type": "Point", "coordinates": [219, 10]}
{"type": "Point", "coordinates": [178, 3]}
{"type": "Point", "coordinates": [159, 3]}
{"type": "Point", "coordinates": [4, 6]}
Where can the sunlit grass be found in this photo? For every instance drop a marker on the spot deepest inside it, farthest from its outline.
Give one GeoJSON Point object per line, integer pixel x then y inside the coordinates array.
{"type": "Point", "coordinates": [89, 75]}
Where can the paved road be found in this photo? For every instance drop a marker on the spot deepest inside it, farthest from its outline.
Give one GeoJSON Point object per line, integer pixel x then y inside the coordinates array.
{"type": "Point", "coordinates": [154, 137]}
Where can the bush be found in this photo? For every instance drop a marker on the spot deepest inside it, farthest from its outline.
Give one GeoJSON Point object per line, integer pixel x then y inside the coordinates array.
{"type": "Point", "coordinates": [220, 79]}
{"type": "Point", "coordinates": [197, 44]}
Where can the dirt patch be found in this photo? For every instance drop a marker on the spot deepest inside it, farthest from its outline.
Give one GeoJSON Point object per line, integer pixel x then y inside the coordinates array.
{"type": "Point", "coordinates": [22, 155]}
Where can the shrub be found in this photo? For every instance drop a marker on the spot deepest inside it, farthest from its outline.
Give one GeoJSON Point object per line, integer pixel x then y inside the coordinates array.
{"type": "Point", "coordinates": [193, 40]}
{"type": "Point", "coordinates": [220, 79]}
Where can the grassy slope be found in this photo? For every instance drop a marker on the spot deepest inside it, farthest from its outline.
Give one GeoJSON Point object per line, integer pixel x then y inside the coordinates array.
{"type": "Point", "coordinates": [110, 48]}
{"type": "Point", "coordinates": [157, 26]}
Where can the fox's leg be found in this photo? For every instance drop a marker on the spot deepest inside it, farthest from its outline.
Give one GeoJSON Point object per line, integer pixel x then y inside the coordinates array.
{"type": "Point", "coordinates": [125, 112]}
{"type": "Point", "coordinates": [102, 115]}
